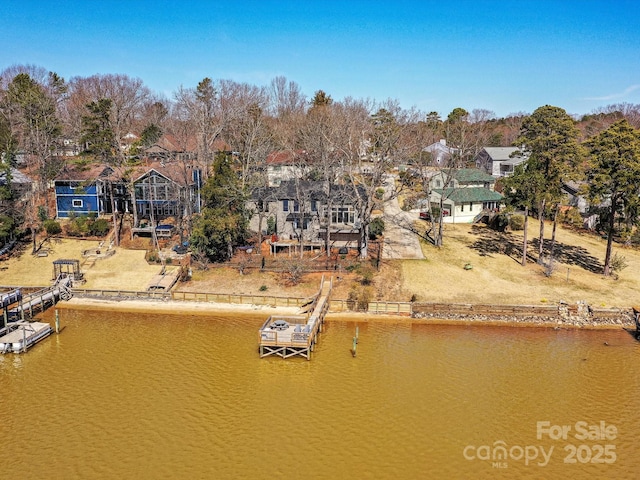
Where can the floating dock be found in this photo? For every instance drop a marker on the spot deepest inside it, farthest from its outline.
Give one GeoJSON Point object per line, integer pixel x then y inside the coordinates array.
{"type": "Point", "coordinates": [296, 335]}
{"type": "Point", "coordinates": [17, 337]}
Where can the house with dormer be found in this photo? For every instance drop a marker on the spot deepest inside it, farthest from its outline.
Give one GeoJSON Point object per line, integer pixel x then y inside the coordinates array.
{"type": "Point", "coordinates": [465, 194]}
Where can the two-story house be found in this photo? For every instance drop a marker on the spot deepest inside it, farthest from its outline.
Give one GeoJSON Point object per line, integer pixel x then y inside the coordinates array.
{"type": "Point", "coordinates": [96, 189]}
{"type": "Point", "coordinates": [464, 194]}
{"type": "Point", "coordinates": [166, 189]}
{"type": "Point", "coordinates": [303, 211]}
{"type": "Point", "coordinates": [499, 161]}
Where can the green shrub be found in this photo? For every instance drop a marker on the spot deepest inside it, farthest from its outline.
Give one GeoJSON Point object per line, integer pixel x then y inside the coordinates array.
{"type": "Point", "coordinates": [376, 228]}
{"type": "Point", "coordinates": [500, 222]}
{"type": "Point", "coordinates": [263, 288]}
{"type": "Point", "coordinates": [618, 263]}
{"type": "Point", "coordinates": [516, 222]}
{"type": "Point", "coordinates": [379, 193]}
{"type": "Point", "coordinates": [572, 217]}
{"type": "Point", "coordinates": [42, 213]}
{"type": "Point", "coordinates": [152, 256]}
{"type": "Point", "coordinates": [271, 226]}
{"type": "Point", "coordinates": [52, 227]}
{"type": "Point", "coordinates": [99, 227]}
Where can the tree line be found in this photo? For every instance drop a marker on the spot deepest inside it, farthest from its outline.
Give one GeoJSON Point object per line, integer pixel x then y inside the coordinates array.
{"type": "Point", "coordinates": [353, 142]}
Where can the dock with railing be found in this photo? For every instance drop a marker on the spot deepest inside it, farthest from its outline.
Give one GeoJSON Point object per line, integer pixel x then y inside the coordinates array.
{"type": "Point", "coordinates": [296, 335]}
{"type": "Point", "coordinates": [17, 305]}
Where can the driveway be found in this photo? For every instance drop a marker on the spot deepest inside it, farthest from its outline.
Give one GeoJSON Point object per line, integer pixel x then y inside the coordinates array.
{"type": "Point", "coordinates": [399, 241]}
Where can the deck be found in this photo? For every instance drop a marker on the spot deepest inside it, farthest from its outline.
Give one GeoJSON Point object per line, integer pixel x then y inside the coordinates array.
{"type": "Point", "coordinates": [296, 335]}
{"type": "Point", "coordinates": [164, 281]}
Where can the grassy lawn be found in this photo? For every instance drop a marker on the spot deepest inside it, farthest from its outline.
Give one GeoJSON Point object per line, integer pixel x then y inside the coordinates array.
{"type": "Point", "coordinates": [498, 277]}
{"type": "Point", "coordinates": [125, 270]}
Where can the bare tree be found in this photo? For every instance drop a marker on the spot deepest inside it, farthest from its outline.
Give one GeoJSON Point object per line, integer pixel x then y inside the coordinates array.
{"type": "Point", "coordinates": [128, 98]}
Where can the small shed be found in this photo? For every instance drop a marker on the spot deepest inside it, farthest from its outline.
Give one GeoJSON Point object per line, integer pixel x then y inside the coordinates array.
{"type": "Point", "coordinates": [67, 268]}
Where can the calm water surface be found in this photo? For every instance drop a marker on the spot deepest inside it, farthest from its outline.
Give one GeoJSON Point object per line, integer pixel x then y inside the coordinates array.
{"type": "Point", "coordinates": [122, 395]}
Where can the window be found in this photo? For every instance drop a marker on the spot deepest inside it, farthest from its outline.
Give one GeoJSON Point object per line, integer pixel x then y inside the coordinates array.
{"type": "Point", "coordinates": [314, 205]}
{"type": "Point", "coordinates": [342, 215]}
{"type": "Point", "coordinates": [438, 184]}
{"type": "Point", "coordinates": [301, 223]}
{"type": "Point", "coordinates": [296, 206]}
{"type": "Point", "coordinates": [77, 203]}
{"type": "Point", "coordinates": [285, 205]}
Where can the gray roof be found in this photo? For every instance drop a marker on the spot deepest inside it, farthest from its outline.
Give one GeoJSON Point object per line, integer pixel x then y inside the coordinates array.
{"type": "Point", "coordinates": [500, 154]}
{"type": "Point", "coordinates": [17, 177]}
{"type": "Point", "coordinates": [514, 161]}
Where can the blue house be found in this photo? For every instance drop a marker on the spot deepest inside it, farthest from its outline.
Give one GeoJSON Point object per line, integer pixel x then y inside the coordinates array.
{"type": "Point", "coordinates": [88, 191]}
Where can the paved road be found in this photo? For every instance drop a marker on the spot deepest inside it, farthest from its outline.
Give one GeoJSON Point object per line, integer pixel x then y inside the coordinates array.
{"type": "Point", "coordinates": [399, 241]}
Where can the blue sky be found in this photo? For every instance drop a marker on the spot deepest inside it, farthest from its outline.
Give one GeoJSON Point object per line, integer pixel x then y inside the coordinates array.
{"type": "Point", "coordinates": [506, 56]}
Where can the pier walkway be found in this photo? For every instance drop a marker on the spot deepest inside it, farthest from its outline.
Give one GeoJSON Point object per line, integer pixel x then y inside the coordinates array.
{"type": "Point", "coordinates": [15, 305]}
{"type": "Point", "coordinates": [296, 335]}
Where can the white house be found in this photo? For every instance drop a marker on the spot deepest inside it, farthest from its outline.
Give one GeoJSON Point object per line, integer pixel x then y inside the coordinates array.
{"type": "Point", "coordinates": [440, 152]}
{"type": "Point", "coordinates": [465, 194]}
{"type": "Point", "coordinates": [499, 161]}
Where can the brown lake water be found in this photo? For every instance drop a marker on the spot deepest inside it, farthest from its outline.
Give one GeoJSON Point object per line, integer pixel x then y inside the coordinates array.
{"type": "Point", "coordinates": [123, 395]}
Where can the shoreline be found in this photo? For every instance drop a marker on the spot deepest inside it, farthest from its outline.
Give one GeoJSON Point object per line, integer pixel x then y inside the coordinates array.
{"type": "Point", "coordinates": [202, 308]}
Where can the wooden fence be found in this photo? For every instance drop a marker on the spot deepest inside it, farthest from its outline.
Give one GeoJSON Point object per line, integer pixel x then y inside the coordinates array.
{"type": "Point", "coordinates": [403, 308]}
{"type": "Point", "coordinates": [121, 294]}
{"type": "Point", "coordinates": [485, 309]}
{"type": "Point", "coordinates": [239, 299]}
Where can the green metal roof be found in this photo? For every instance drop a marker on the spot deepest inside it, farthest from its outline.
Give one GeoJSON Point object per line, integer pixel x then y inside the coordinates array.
{"type": "Point", "coordinates": [473, 175]}
{"type": "Point", "coordinates": [469, 194]}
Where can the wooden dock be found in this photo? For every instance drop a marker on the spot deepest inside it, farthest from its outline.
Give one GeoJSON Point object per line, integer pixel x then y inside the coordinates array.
{"type": "Point", "coordinates": [296, 335]}
{"type": "Point", "coordinates": [18, 307]}
{"type": "Point", "coordinates": [17, 337]}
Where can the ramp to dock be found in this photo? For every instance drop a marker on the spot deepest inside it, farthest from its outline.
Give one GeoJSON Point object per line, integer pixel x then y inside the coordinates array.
{"type": "Point", "coordinates": [296, 335]}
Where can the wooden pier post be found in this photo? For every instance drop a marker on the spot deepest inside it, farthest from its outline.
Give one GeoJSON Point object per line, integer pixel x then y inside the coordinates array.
{"type": "Point", "coordinates": [57, 321]}
{"type": "Point", "coordinates": [355, 343]}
